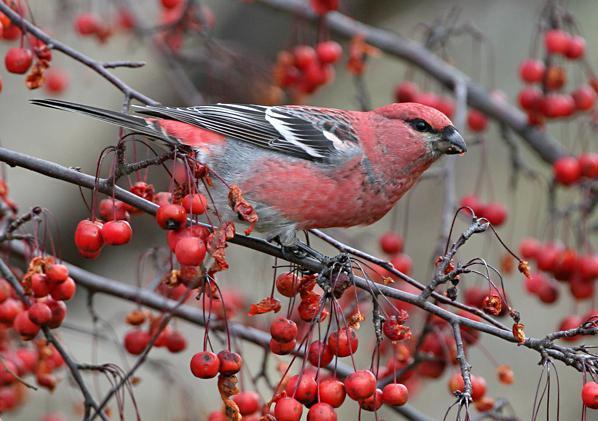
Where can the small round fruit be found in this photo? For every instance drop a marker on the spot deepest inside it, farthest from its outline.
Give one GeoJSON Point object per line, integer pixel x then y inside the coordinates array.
{"type": "Point", "coordinates": [373, 403]}
{"type": "Point", "coordinates": [171, 217]}
{"type": "Point", "coordinates": [40, 313]}
{"type": "Point", "coordinates": [86, 24]}
{"type": "Point", "coordinates": [195, 204]}
{"type": "Point", "coordinates": [576, 47]}
{"type": "Point", "coordinates": [287, 284]}
{"type": "Point", "coordinates": [24, 326]}
{"type": "Point", "coordinates": [476, 121]}
{"type": "Point", "coordinates": [531, 71]}
{"type": "Point", "coordinates": [136, 341]}
{"type": "Point", "coordinates": [329, 52]}
{"type": "Point", "coordinates": [190, 251]}
{"type": "Point", "coordinates": [205, 365]}
{"type": "Point", "coordinates": [321, 412]}
{"type": "Point", "coordinates": [589, 395]}
{"type": "Point", "coordinates": [58, 313]}
{"type": "Point", "coordinates": [282, 348]}
{"type": "Point", "coordinates": [402, 263]}
{"type": "Point", "coordinates": [18, 60]}
{"type": "Point", "coordinates": [391, 243]}
{"type": "Point", "coordinates": [360, 385]}
{"type": "Point", "coordinates": [556, 41]}
{"type": "Point", "coordinates": [343, 342]}
{"type": "Point", "coordinates": [567, 170]}
{"type": "Point", "coordinates": [495, 213]}
{"type": "Point", "coordinates": [288, 409]}
{"type": "Point", "coordinates": [248, 402]}
{"type": "Point", "coordinates": [230, 362]}
{"type": "Point", "coordinates": [332, 392]}
{"type": "Point", "coordinates": [303, 388]}
{"type": "Point", "coordinates": [88, 236]}
{"type": "Point", "coordinates": [319, 354]}
{"type": "Point", "coordinates": [57, 273]}
{"type": "Point", "coordinates": [395, 394]}
{"type": "Point", "coordinates": [176, 342]}
{"type": "Point", "coordinates": [283, 329]}
{"type": "Point", "coordinates": [64, 291]}
{"type": "Point", "coordinates": [116, 233]}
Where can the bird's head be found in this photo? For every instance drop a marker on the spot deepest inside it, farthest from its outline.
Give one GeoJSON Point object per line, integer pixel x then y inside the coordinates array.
{"type": "Point", "coordinates": [420, 123]}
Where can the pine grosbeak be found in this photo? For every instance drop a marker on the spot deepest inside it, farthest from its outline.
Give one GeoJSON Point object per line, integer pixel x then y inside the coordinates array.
{"type": "Point", "coordinates": [301, 167]}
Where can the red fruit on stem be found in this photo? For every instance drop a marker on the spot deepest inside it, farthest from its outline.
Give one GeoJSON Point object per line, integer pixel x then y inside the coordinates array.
{"type": "Point", "coordinates": [555, 78]}
{"type": "Point", "coordinates": [332, 391]}
{"type": "Point", "coordinates": [195, 204]}
{"type": "Point", "coordinates": [303, 388]}
{"type": "Point", "coordinates": [110, 209]}
{"type": "Point", "coordinates": [329, 52]}
{"type": "Point", "coordinates": [171, 217]}
{"type": "Point", "coordinates": [87, 24]}
{"type": "Point", "coordinates": [529, 248]}
{"type": "Point", "coordinates": [580, 288]}
{"type": "Point", "coordinates": [495, 213]}
{"type": "Point", "coordinates": [343, 342]}
{"type": "Point", "coordinates": [391, 243]}
{"type": "Point", "coordinates": [589, 395]}
{"type": "Point", "coordinates": [584, 97]}
{"type": "Point", "coordinates": [39, 285]}
{"type": "Point", "coordinates": [530, 98]}
{"type": "Point", "coordinates": [173, 237]}
{"type": "Point", "coordinates": [64, 291]}
{"type": "Point", "coordinates": [117, 232]}
{"type": "Point", "coordinates": [230, 362]}
{"type": "Point", "coordinates": [321, 7]}
{"type": "Point", "coordinates": [373, 403]}
{"type": "Point", "coordinates": [56, 273]}
{"type": "Point", "coordinates": [9, 310]}
{"type": "Point", "coordinates": [58, 312]}
{"type": "Point", "coordinates": [406, 92]}
{"type": "Point", "coordinates": [556, 41]}
{"type": "Point", "coordinates": [395, 394]}
{"type": "Point", "coordinates": [570, 322]}
{"type": "Point", "coordinates": [190, 251]}
{"type": "Point", "coordinates": [18, 60]}
{"type": "Point", "coordinates": [534, 282]}
{"type": "Point", "coordinates": [321, 412]}
{"type": "Point", "coordinates": [136, 341]}
{"type": "Point", "coordinates": [288, 409]}
{"type": "Point", "coordinates": [287, 284]}
{"type": "Point", "coordinates": [402, 263]}
{"type": "Point", "coordinates": [567, 170]}
{"type": "Point", "coordinates": [40, 313]}
{"type": "Point", "coordinates": [319, 354]}
{"type": "Point", "coordinates": [282, 348]}
{"type": "Point", "coordinates": [473, 202]}
{"type": "Point", "coordinates": [476, 121]}
{"type": "Point", "coordinates": [576, 47]}
{"type": "Point", "coordinates": [283, 329]}
{"type": "Point", "coordinates": [24, 326]}
{"type": "Point", "coordinates": [57, 81]}
{"type": "Point", "coordinates": [205, 365]}
{"type": "Point", "coordinates": [248, 402]}
{"type": "Point", "coordinates": [305, 56]}
{"type": "Point", "coordinates": [548, 293]}
{"type": "Point", "coordinates": [531, 71]}
{"type": "Point", "coordinates": [588, 163]}
{"type": "Point", "coordinates": [176, 342]}
{"type": "Point", "coordinates": [360, 385]}
{"type": "Point", "coordinates": [88, 236]}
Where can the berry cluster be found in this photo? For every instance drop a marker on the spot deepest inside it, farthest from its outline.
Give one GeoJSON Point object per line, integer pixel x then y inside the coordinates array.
{"type": "Point", "coordinates": [137, 339]}
{"type": "Point", "coordinates": [407, 91]}
{"type": "Point", "coordinates": [546, 101]}
{"type": "Point", "coordinates": [571, 170]}
{"type": "Point", "coordinates": [494, 212]}
{"type": "Point", "coordinates": [304, 69]}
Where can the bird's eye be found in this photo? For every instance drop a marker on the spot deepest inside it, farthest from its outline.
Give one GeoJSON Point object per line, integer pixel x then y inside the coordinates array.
{"type": "Point", "coordinates": [421, 125]}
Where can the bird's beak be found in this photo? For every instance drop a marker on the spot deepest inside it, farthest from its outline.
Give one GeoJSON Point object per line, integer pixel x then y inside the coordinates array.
{"type": "Point", "coordinates": [451, 142]}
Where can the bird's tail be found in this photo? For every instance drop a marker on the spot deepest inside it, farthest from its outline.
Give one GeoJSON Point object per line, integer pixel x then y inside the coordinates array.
{"type": "Point", "coordinates": [136, 124]}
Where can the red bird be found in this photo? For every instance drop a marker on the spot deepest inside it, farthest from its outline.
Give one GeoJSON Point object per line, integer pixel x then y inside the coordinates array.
{"type": "Point", "coordinates": [301, 167]}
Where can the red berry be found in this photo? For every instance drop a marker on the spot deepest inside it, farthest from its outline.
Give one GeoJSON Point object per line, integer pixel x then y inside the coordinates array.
{"type": "Point", "coordinates": [555, 78]}
{"type": "Point", "coordinates": [57, 80]}
{"type": "Point", "coordinates": [287, 284]}
{"type": "Point", "coordinates": [57, 273]}
{"type": "Point", "coordinates": [288, 409]}
{"type": "Point", "coordinates": [576, 47]}
{"type": "Point", "coordinates": [548, 293]}
{"type": "Point", "coordinates": [195, 204]}
{"type": "Point", "coordinates": [136, 341]}
{"type": "Point", "coordinates": [589, 395]}
{"type": "Point", "coordinates": [588, 267]}
{"type": "Point", "coordinates": [205, 365]}
{"type": "Point", "coordinates": [230, 362]}
{"type": "Point", "coordinates": [116, 233]}
{"type": "Point", "coordinates": [305, 56]}
{"type": "Point", "coordinates": [478, 388]}
{"type": "Point", "coordinates": [588, 163]}
{"type": "Point", "coordinates": [567, 170]}
{"type": "Point", "coordinates": [64, 291]}
{"type": "Point", "coordinates": [332, 392]}
{"type": "Point", "coordinates": [283, 329]}
{"type": "Point", "coordinates": [495, 213]}
{"type": "Point", "coordinates": [170, 4]}
{"type": "Point", "coordinates": [402, 263]}
{"type": "Point", "coordinates": [535, 282]}
{"type": "Point", "coordinates": [88, 236]}
{"type": "Point", "coordinates": [343, 342]}
{"type": "Point", "coordinates": [18, 60]}
{"type": "Point", "coordinates": [531, 71]}
{"type": "Point", "coordinates": [406, 92]}
{"type": "Point", "coordinates": [282, 348]}
{"type": "Point", "coordinates": [391, 243]}
{"type": "Point", "coordinates": [248, 402]}
{"type": "Point", "coordinates": [86, 24]}
{"type": "Point", "coordinates": [473, 202]}
{"type": "Point", "coordinates": [584, 97]}
{"type": "Point", "coordinates": [319, 354]}
{"type": "Point", "coordinates": [393, 329]}
{"type": "Point", "coordinates": [217, 416]}
{"type": "Point", "coordinates": [558, 105]}
{"type": "Point", "coordinates": [529, 248]}
{"type": "Point", "coordinates": [40, 313]}
{"type": "Point", "coordinates": [176, 342]}
{"type": "Point", "coordinates": [110, 209]}
{"type": "Point", "coordinates": [373, 403]}
{"type": "Point", "coordinates": [476, 121]}
{"type": "Point", "coordinates": [556, 41]}
{"type": "Point", "coordinates": [58, 312]}
{"type": "Point", "coordinates": [303, 388]}
{"type": "Point", "coordinates": [580, 288]}
{"type": "Point", "coordinates": [321, 412]}
{"type": "Point", "coordinates": [198, 231]}
{"type": "Point", "coordinates": [530, 98]}
{"type": "Point", "coordinates": [171, 217]}
{"type": "Point", "coordinates": [190, 251]}
{"type": "Point", "coordinates": [329, 52]}
{"type": "Point", "coordinates": [474, 296]}
{"type": "Point", "coordinates": [321, 7]}
{"type": "Point", "coordinates": [395, 394]}
{"type": "Point", "coordinates": [39, 285]}
{"type": "Point", "coordinates": [360, 385]}
{"type": "Point", "coordinates": [24, 326]}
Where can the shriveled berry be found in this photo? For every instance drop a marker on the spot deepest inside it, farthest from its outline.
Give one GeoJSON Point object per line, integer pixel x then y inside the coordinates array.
{"type": "Point", "coordinates": [230, 362]}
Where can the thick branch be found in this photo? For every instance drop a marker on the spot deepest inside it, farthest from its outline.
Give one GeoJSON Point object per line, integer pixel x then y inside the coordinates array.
{"type": "Point", "coordinates": [545, 146]}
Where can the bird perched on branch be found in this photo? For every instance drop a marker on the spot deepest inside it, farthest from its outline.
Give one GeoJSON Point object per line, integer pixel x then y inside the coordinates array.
{"type": "Point", "coordinates": [301, 167]}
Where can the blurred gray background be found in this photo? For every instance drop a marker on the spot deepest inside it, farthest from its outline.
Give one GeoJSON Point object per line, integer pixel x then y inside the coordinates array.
{"type": "Point", "coordinates": [71, 140]}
